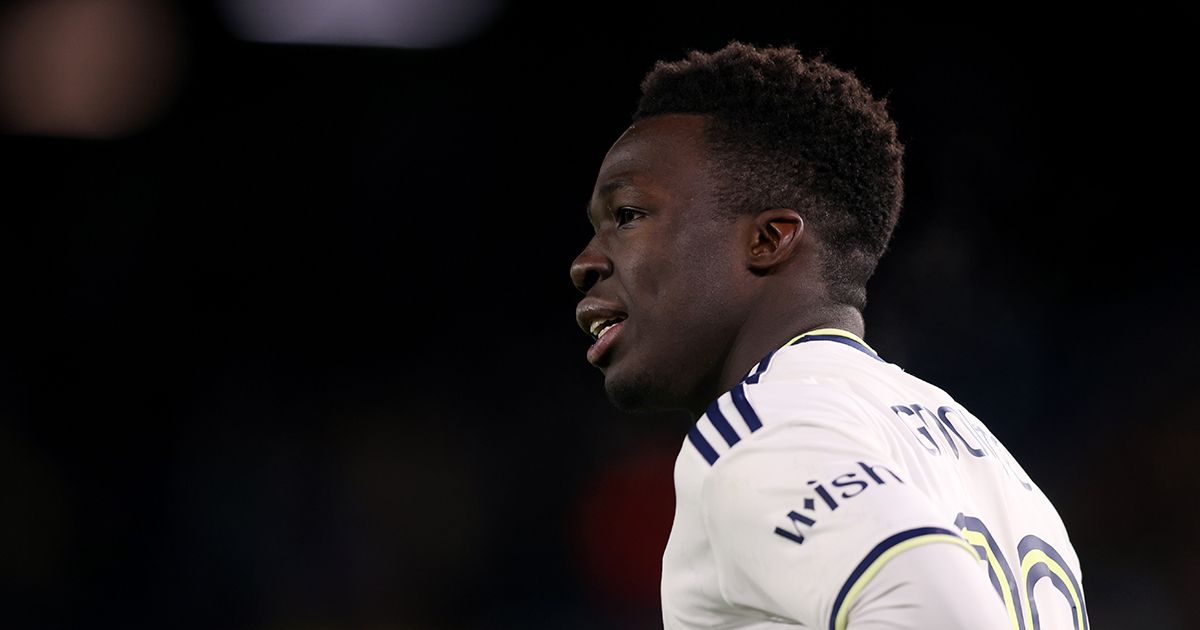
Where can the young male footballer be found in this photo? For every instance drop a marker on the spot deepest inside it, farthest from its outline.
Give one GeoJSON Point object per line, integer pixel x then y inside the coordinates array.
{"type": "Point", "coordinates": [737, 221]}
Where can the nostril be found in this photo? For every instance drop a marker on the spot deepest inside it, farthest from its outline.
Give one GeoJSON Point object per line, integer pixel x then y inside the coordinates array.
{"type": "Point", "coordinates": [584, 279]}
{"type": "Point", "coordinates": [590, 278]}
{"type": "Point", "coordinates": [589, 269]}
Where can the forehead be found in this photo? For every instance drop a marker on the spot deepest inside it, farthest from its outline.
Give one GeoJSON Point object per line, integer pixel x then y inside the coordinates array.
{"type": "Point", "coordinates": [665, 153]}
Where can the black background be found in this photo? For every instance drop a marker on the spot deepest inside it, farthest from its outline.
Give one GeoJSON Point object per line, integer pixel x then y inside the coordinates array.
{"type": "Point", "coordinates": [300, 353]}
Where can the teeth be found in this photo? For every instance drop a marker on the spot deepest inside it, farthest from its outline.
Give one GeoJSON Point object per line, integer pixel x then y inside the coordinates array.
{"type": "Point", "coordinates": [599, 327]}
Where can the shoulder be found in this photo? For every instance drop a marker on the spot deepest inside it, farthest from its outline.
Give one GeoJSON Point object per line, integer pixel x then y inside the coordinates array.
{"type": "Point", "coordinates": [813, 485]}
{"type": "Point", "coordinates": [808, 401]}
{"type": "Point", "coordinates": [832, 363]}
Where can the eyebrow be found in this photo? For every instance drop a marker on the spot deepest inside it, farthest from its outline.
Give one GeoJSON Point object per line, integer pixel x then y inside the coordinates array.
{"type": "Point", "coordinates": [608, 189]}
{"type": "Point", "coordinates": [615, 184]}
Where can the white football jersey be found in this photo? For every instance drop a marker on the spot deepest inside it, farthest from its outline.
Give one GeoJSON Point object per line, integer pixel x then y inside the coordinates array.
{"type": "Point", "coordinates": [798, 485]}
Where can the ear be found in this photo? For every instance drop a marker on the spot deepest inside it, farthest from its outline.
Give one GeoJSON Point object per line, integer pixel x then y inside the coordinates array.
{"type": "Point", "coordinates": [776, 237]}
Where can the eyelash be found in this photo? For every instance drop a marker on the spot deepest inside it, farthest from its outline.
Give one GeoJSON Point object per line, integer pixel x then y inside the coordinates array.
{"type": "Point", "coordinates": [622, 211]}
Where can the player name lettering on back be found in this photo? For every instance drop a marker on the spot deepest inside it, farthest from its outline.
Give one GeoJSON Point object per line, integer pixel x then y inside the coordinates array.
{"type": "Point", "coordinates": [954, 428]}
{"type": "Point", "coordinates": [941, 431]}
{"type": "Point", "coordinates": [844, 486]}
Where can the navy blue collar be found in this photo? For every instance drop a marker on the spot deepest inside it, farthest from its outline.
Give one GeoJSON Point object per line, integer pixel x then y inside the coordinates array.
{"type": "Point", "coordinates": [853, 342]}
{"type": "Point", "coordinates": [821, 334]}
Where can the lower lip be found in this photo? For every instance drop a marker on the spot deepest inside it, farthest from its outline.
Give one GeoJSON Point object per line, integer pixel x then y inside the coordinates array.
{"type": "Point", "coordinates": [596, 352]}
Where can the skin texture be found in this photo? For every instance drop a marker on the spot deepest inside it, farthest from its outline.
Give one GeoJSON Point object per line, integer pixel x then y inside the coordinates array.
{"type": "Point", "coordinates": [707, 294]}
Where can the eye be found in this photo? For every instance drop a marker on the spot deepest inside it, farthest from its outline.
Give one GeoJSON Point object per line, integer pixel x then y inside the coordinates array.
{"type": "Point", "coordinates": [626, 214]}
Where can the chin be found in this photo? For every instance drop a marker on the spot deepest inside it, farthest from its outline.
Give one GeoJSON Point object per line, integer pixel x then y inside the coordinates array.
{"type": "Point", "coordinates": [639, 392]}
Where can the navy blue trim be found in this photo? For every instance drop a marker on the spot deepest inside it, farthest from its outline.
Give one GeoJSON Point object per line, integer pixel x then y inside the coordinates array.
{"type": "Point", "coordinates": [879, 550]}
{"type": "Point", "coordinates": [963, 521]}
{"type": "Point", "coordinates": [702, 445]}
{"type": "Point", "coordinates": [762, 367]}
{"type": "Point", "coordinates": [718, 420]}
{"type": "Point", "coordinates": [1037, 572]}
{"type": "Point", "coordinates": [843, 340]}
{"type": "Point", "coordinates": [743, 407]}
{"type": "Point", "coordinates": [1040, 570]}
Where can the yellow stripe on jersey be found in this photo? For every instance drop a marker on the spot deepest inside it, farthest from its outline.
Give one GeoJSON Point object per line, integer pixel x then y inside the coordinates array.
{"type": "Point", "coordinates": [836, 332]}
{"type": "Point", "coordinates": [979, 540]}
{"type": "Point", "coordinates": [1035, 557]}
{"type": "Point", "coordinates": [843, 612]}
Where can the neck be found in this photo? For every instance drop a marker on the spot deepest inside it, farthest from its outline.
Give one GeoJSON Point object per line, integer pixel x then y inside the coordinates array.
{"type": "Point", "coordinates": [766, 333]}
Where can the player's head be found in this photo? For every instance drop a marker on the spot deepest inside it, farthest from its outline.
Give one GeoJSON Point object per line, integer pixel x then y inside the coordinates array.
{"type": "Point", "coordinates": [749, 176]}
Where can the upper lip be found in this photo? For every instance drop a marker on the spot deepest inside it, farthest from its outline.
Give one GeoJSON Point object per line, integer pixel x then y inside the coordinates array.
{"type": "Point", "coordinates": [592, 313]}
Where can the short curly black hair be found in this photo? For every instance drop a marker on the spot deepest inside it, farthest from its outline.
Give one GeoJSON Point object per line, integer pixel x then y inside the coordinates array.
{"type": "Point", "coordinates": [792, 131]}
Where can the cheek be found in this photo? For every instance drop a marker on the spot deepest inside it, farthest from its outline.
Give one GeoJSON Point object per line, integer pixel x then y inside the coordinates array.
{"type": "Point", "coordinates": [707, 267]}
{"type": "Point", "coordinates": [684, 290]}
{"type": "Point", "coordinates": [681, 279]}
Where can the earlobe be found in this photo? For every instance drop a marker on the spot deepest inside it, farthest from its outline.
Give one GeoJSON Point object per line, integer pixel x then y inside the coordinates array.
{"type": "Point", "coordinates": [777, 235]}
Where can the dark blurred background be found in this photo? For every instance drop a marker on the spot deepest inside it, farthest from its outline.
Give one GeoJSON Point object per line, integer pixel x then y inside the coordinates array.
{"type": "Point", "coordinates": [290, 337]}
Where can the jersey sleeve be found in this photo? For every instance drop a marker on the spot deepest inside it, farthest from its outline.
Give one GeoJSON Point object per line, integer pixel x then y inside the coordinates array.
{"type": "Point", "coordinates": [928, 587]}
{"type": "Point", "coordinates": [805, 514]}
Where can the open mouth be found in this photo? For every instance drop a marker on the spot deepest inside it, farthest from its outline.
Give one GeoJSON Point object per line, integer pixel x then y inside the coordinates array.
{"type": "Point", "coordinates": [605, 333]}
{"type": "Point", "coordinates": [599, 328]}
{"type": "Point", "coordinates": [602, 321]}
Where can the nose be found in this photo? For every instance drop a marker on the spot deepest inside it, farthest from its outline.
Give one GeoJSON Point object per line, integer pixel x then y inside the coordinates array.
{"type": "Point", "coordinates": [590, 266]}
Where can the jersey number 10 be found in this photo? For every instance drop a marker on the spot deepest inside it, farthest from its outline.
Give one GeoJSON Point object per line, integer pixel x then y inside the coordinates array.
{"type": "Point", "coordinates": [1038, 559]}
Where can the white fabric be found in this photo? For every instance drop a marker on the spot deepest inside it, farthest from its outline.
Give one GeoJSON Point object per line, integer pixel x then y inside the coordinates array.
{"type": "Point", "coordinates": [868, 459]}
{"type": "Point", "coordinates": [932, 587]}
